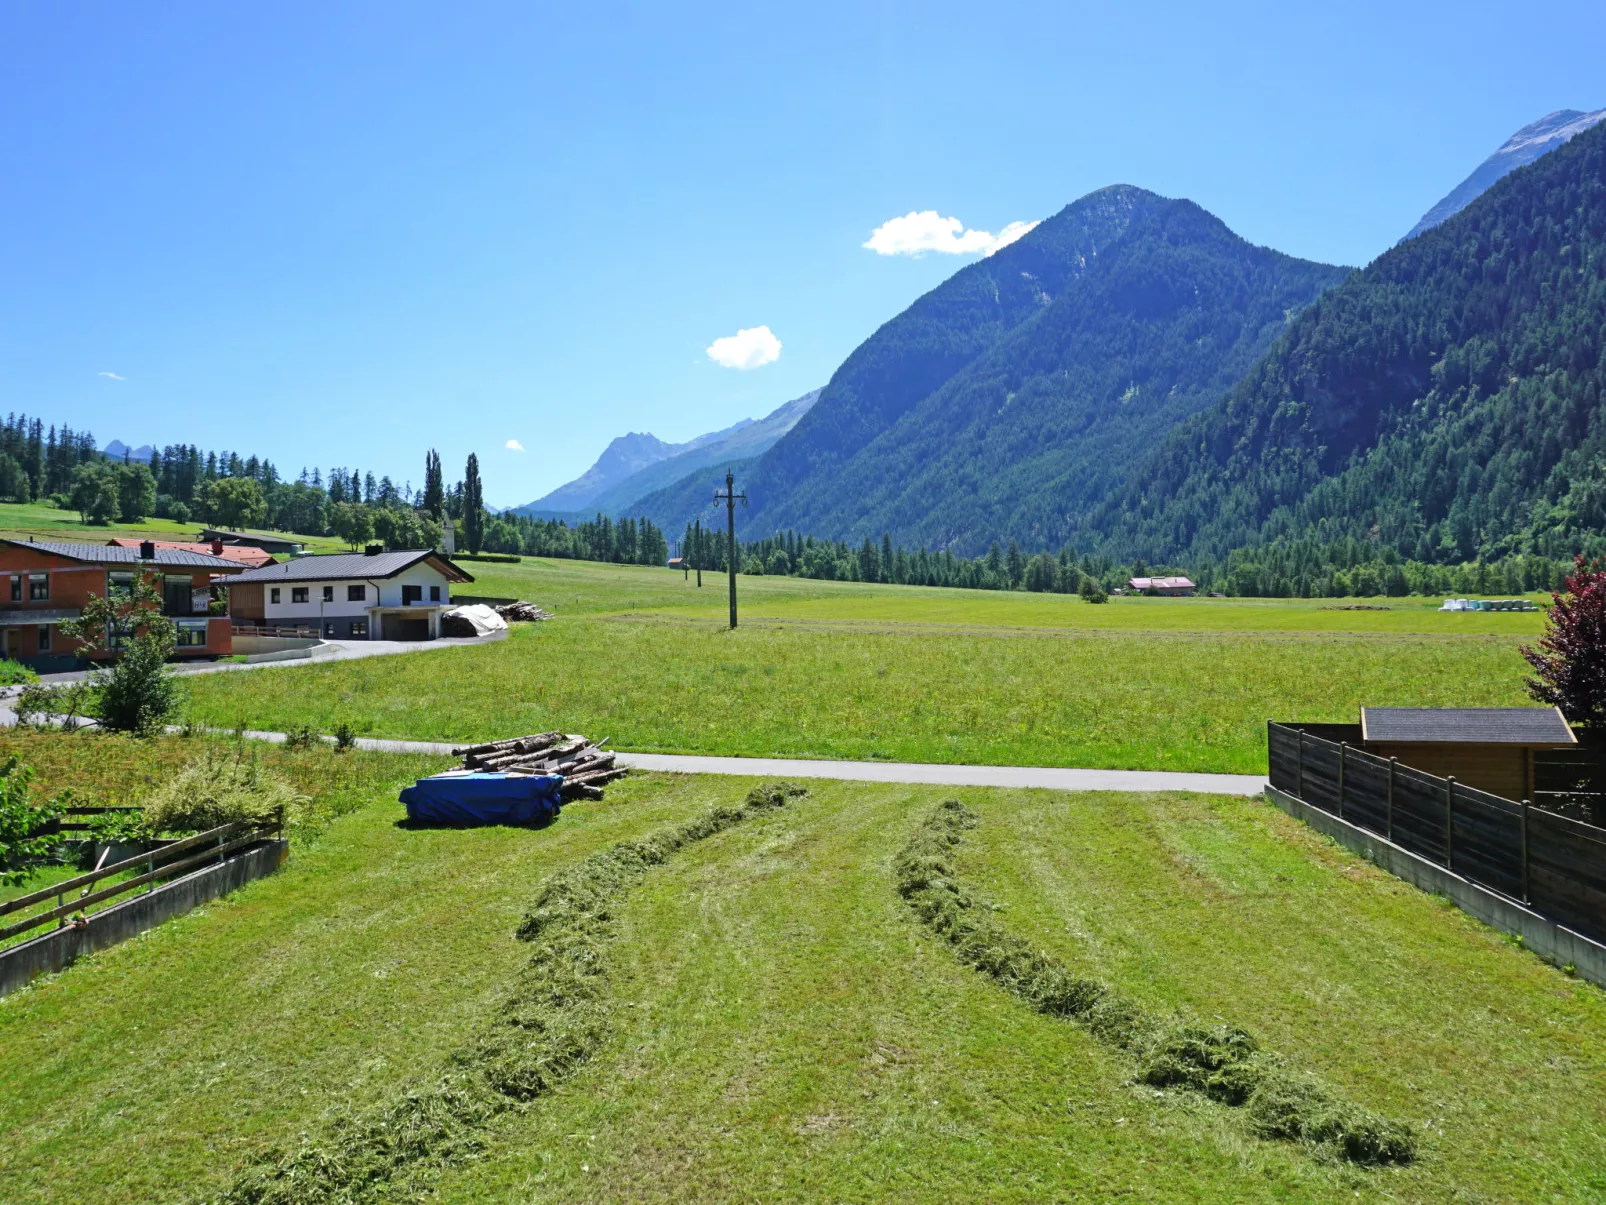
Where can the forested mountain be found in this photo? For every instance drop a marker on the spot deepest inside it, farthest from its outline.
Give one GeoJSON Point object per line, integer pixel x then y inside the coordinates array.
{"type": "Point", "coordinates": [1133, 313]}
{"type": "Point", "coordinates": [1441, 404]}
{"type": "Point", "coordinates": [1522, 148]}
{"type": "Point", "coordinates": [919, 350]}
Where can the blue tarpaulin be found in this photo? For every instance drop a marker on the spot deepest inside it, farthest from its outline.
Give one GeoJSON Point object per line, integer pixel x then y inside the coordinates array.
{"type": "Point", "coordinates": [461, 800]}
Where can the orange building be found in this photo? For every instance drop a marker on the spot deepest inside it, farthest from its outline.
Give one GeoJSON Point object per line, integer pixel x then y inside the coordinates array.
{"type": "Point", "coordinates": [44, 583]}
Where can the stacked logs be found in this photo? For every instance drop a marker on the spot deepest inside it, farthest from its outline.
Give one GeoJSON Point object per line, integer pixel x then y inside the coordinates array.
{"type": "Point", "coordinates": [523, 612]}
{"type": "Point", "coordinates": [584, 766]}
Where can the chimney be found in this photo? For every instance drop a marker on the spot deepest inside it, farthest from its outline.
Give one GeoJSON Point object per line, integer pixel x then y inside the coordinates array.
{"type": "Point", "coordinates": [373, 550]}
{"type": "Point", "coordinates": [217, 547]}
{"type": "Point", "coordinates": [147, 550]}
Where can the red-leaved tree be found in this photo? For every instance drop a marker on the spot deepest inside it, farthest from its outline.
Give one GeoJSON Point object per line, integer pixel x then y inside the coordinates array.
{"type": "Point", "coordinates": [1570, 662]}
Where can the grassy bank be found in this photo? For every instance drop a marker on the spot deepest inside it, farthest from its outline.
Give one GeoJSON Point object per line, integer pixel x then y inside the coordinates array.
{"type": "Point", "coordinates": [784, 1028]}
{"type": "Point", "coordinates": [1031, 697]}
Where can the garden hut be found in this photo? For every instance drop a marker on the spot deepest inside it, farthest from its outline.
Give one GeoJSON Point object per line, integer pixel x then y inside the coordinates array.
{"type": "Point", "coordinates": [1490, 748]}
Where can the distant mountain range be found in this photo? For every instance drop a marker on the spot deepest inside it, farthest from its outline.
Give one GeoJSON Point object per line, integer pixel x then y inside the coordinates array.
{"type": "Point", "coordinates": [1017, 393]}
{"type": "Point", "coordinates": [117, 450]}
{"type": "Point", "coordinates": [635, 465]}
{"type": "Point", "coordinates": [1522, 148]}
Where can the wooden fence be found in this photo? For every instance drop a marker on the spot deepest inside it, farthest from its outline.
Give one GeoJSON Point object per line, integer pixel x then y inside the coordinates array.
{"type": "Point", "coordinates": [1552, 863]}
{"type": "Point", "coordinates": [79, 894]}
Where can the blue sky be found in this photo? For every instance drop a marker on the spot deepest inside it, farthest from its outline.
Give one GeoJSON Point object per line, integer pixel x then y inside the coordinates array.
{"type": "Point", "coordinates": [344, 233]}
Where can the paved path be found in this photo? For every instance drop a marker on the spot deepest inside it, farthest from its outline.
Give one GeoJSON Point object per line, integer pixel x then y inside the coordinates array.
{"type": "Point", "coordinates": [1053, 778]}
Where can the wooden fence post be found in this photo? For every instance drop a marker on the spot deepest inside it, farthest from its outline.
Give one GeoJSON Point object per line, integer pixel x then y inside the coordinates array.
{"type": "Point", "coordinates": [1342, 747]}
{"type": "Point", "coordinates": [1449, 822]}
{"type": "Point", "coordinates": [1394, 764]}
{"type": "Point", "coordinates": [1525, 851]}
{"type": "Point", "coordinates": [1301, 733]}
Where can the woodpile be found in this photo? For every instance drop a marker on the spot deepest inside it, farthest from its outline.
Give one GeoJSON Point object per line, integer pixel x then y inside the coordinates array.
{"type": "Point", "coordinates": [522, 612]}
{"type": "Point", "coordinates": [586, 767]}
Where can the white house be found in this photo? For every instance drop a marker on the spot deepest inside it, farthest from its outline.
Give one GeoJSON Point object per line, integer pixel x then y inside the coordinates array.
{"type": "Point", "coordinates": [371, 595]}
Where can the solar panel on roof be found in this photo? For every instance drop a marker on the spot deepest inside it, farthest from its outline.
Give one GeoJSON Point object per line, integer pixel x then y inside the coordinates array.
{"type": "Point", "coordinates": [1466, 726]}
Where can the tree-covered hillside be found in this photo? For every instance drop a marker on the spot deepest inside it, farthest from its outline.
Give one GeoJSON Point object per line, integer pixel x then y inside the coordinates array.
{"type": "Point", "coordinates": [1443, 403]}
{"type": "Point", "coordinates": [1020, 442]}
{"type": "Point", "coordinates": [916, 352]}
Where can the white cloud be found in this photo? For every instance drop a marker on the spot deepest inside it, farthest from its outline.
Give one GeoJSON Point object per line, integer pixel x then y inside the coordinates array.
{"type": "Point", "coordinates": [746, 349]}
{"type": "Point", "coordinates": [514, 445]}
{"type": "Point", "coordinates": [917, 233]}
{"type": "Point", "coordinates": [111, 376]}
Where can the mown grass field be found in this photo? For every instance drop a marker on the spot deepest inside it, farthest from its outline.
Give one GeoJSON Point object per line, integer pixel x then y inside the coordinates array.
{"type": "Point", "coordinates": [784, 1029]}
{"type": "Point", "coordinates": [840, 670]}
{"type": "Point", "coordinates": [22, 520]}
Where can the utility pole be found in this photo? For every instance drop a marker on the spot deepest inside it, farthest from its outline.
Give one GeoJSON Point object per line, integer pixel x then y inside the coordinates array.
{"type": "Point", "coordinates": [697, 552]}
{"type": "Point", "coordinates": [729, 498]}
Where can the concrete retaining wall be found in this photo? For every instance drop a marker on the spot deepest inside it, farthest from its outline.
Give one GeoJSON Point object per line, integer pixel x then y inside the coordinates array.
{"type": "Point", "coordinates": [1546, 938]}
{"type": "Point", "coordinates": [59, 948]}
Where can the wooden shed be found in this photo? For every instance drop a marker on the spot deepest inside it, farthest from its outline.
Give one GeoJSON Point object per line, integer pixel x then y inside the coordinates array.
{"type": "Point", "coordinates": [1490, 748]}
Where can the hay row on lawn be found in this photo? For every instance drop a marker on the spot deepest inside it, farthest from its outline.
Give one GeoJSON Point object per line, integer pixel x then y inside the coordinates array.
{"type": "Point", "coordinates": [1223, 1062]}
{"type": "Point", "coordinates": [550, 1020]}
{"type": "Point", "coordinates": [586, 767]}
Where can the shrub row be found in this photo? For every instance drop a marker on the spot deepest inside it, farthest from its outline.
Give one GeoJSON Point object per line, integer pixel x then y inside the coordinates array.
{"type": "Point", "coordinates": [553, 1016]}
{"type": "Point", "coordinates": [1223, 1062]}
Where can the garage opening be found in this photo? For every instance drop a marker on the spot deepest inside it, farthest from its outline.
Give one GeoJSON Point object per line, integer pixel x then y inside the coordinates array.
{"type": "Point", "coordinates": [405, 627]}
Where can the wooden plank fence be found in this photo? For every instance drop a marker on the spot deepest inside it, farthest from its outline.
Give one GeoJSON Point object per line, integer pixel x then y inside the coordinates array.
{"type": "Point", "coordinates": [162, 862]}
{"type": "Point", "coordinates": [1552, 863]}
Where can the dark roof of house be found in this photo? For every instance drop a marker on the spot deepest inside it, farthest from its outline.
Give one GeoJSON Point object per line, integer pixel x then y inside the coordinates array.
{"type": "Point", "coordinates": [350, 566]}
{"type": "Point", "coordinates": [1466, 726]}
{"type": "Point", "coordinates": [252, 539]}
{"type": "Point", "coordinates": [111, 554]}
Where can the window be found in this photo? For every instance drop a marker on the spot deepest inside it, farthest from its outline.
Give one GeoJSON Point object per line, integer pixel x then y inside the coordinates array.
{"type": "Point", "coordinates": [38, 587]}
{"type": "Point", "coordinates": [119, 585]}
{"type": "Point", "coordinates": [359, 628]}
{"type": "Point", "coordinates": [16, 587]}
{"type": "Point", "coordinates": [434, 594]}
{"type": "Point", "coordinates": [298, 594]}
{"type": "Point", "coordinates": [412, 594]}
{"type": "Point", "coordinates": [356, 593]}
{"type": "Point", "coordinates": [191, 633]}
{"type": "Point", "coordinates": [44, 638]}
{"type": "Point", "coordinates": [328, 594]}
{"type": "Point", "coordinates": [328, 624]}
{"type": "Point", "coordinates": [273, 594]}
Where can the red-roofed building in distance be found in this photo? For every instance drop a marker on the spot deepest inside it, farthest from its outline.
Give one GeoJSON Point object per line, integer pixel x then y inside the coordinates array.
{"type": "Point", "coordinates": [1175, 587]}
{"type": "Point", "coordinates": [45, 582]}
{"type": "Point", "coordinates": [250, 557]}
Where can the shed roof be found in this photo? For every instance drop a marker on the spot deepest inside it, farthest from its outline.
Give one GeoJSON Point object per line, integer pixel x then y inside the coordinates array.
{"type": "Point", "coordinates": [1160, 583]}
{"type": "Point", "coordinates": [350, 566]}
{"type": "Point", "coordinates": [1466, 726]}
{"type": "Point", "coordinates": [113, 554]}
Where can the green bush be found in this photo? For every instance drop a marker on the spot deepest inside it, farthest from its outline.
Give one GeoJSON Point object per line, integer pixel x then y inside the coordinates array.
{"type": "Point", "coordinates": [21, 853]}
{"type": "Point", "coordinates": [14, 673]}
{"type": "Point", "coordinates": [222, 788]}
{"type": "Point", "coordinates": [1222, 1062]}
{"type": "Point", "coordinates": [42, 706]}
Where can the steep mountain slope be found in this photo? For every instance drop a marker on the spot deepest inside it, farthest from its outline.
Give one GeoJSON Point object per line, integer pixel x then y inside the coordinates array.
{"type": "Point", "coordinates": [1024, 439]}
{"type": "Point", "coordinates": [1522, 148]}
{"type": "Point", "coordinates": [916, 352]}
{"type": "Point", "coordinates": [745, 440]}
{"type": "Point", "coordinates": [1444, 401]}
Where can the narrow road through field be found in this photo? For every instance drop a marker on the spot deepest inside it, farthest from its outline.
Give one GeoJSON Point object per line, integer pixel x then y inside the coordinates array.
{"type": "Point", "coordinates": [1054, 778]}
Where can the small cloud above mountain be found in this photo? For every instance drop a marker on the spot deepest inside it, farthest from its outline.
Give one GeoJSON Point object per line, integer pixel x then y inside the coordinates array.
{"type": "Point", "coordinates": [514, 445]}
{"type": "Point", "coordinates": [746, 349]}
{"type": "Point", "coordinates": [915, 234]}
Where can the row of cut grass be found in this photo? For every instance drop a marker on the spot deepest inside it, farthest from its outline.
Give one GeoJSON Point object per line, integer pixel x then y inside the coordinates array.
{"type": "Point", "coordinates": [785, 1031]}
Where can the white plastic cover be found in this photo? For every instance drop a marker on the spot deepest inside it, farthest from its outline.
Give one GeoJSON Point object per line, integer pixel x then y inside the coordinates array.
{"type": "Point", "coordinates": [484, 619]}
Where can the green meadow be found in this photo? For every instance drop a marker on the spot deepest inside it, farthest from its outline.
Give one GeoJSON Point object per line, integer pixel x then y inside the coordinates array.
{"type": "Point", "coordinates": [845, 670]}
{"type": "Point", "coordinates": [780, 1026]}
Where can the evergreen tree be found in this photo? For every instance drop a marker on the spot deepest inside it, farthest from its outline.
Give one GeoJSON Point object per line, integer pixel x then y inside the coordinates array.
{"type": "Point", "coordinates": [473, 505]}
